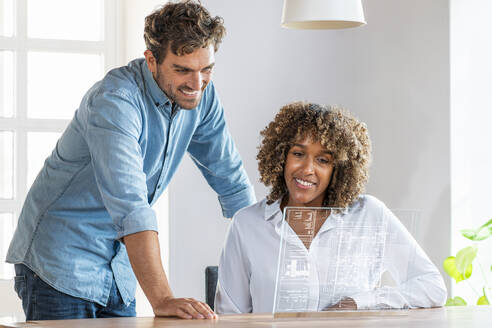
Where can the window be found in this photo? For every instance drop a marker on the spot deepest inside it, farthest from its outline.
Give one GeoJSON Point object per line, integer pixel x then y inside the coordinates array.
{"type": "Point", "coordinates": [51, 52]}
{"type": "Point", "coordinates": [471, 159]}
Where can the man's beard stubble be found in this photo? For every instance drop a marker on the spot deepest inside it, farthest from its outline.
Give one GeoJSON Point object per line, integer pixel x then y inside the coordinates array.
{"type": "Point", "coordinates": [168, 91]}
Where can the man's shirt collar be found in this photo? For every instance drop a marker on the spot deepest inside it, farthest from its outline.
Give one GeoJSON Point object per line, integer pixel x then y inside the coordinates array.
{"type": "Point", "coordinates": [158, 96]}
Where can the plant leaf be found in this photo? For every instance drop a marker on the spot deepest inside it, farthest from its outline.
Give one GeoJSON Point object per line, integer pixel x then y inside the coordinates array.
{"type": "Point", "coordinates": [457, 301]}
{"type": "Point", "coordinates": [469, 233]}
{"type": "Point", "coordinates": [487, 224]}
{"type": "Point", "coordinates": [449, 266]}
{"type": "Point", "coordinates": [483, 232]}
{"type": "Point", "coordinates": [464, 259]}
{"type": "Point", "coordinates": [482, 300]}
{"type": "Point", "coordinates": [468, 271]}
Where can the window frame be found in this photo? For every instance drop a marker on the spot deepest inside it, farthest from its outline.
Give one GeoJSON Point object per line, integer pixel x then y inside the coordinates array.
{"type": "Point", "coordinates": [110, 49]}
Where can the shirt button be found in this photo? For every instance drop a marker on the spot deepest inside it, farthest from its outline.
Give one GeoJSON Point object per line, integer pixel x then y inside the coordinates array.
{"type": "Point", "coordinates": [159, 186]}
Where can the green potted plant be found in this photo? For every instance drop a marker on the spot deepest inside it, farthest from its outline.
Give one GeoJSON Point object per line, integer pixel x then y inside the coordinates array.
{"type": "Point", "coordinates": [466, 262]}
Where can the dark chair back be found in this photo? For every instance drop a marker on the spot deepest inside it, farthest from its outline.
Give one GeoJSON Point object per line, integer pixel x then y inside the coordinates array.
{"type": "Point", "coordinates": [211, 276]}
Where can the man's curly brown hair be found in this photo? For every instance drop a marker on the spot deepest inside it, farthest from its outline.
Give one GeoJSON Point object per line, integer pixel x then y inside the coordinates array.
{"type": "Point", "coordinates": [184, 26]}
{"type": "Point", "coordinates": [337, 130]}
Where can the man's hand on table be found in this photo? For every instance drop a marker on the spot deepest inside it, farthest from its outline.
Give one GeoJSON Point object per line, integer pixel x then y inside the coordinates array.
{"type": "Point", "coordinates": [186, 308]}
{"type": "Point", "coordinates": [144, 254]}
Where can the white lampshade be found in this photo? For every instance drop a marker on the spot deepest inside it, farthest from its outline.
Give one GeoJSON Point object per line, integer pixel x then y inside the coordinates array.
{"type": "Point", "coordinates": [322, 14]}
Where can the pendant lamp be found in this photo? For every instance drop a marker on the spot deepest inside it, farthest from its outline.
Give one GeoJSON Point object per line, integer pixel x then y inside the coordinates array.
{"type": "Point", "coordinates": [322, 14]}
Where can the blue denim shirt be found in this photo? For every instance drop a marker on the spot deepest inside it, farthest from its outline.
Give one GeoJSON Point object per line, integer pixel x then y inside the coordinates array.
{"type": "Point", "coordinates": [110, 165]}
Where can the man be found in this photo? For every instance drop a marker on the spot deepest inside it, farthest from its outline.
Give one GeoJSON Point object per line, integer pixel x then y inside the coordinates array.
{"type": "Point", "coordinates": [88, 215]}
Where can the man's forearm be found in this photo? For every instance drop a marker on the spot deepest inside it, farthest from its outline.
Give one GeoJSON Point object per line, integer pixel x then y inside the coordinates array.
{"type": "Point", "coordinates": [145, 257]}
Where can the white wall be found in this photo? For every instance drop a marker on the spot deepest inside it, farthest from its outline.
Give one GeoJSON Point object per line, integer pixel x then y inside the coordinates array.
{"type": "Point", "coordinates": [471, 85]}
{"type": "Point", "coordinates": [132, 26]}
{"type": "Point", "coordinates": [392, 73]}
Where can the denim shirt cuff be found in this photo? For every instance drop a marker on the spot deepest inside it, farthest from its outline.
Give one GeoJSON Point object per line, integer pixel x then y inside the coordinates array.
{"type": "Point", "coordinates": [232, 203]}
{"type": "Point", "coordinates": [138, 220]}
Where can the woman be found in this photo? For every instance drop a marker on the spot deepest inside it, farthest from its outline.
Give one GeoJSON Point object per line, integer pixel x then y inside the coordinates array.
{"type": "Point", "coordinates": [316, 156]}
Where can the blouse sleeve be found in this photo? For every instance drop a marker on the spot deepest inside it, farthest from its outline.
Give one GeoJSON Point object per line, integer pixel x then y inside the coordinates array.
{"type": "Point", "coordinates": [418, 282]}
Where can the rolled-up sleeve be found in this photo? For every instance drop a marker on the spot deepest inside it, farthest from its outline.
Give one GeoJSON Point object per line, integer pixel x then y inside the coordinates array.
{"type": "Point", "coordinates": [213, 151]}
{"type": "Point", "coordinates": [114, 126]}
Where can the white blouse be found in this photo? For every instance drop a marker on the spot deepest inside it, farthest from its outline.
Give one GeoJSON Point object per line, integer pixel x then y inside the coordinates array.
{"type": "Point", "coordinates": [249, 261]}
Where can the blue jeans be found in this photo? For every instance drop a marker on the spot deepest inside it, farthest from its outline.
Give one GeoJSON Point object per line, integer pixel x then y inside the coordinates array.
{"type": "Point", "coordinates": [42, 302]}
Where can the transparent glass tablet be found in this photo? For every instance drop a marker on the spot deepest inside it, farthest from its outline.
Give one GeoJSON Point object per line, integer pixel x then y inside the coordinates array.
{"type": "Point", "coordinates": [332, 260]}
